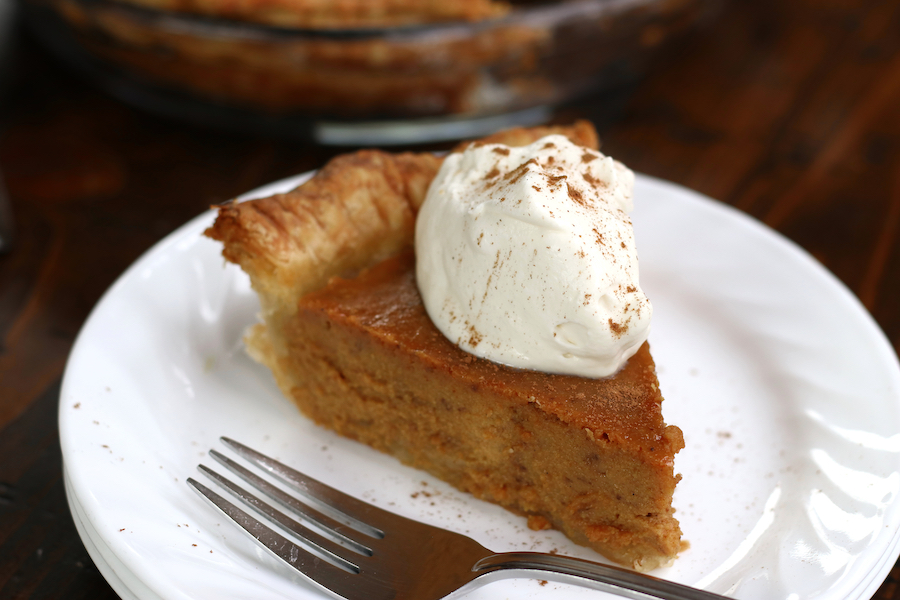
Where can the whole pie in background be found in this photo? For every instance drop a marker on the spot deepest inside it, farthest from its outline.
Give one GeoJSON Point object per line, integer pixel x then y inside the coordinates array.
{"type": "Point", "coordinates": [289, 66]}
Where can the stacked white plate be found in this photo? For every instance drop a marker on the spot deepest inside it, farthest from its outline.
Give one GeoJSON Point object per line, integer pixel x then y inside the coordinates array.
{"type": "Point", "coordinates": [787, 392]}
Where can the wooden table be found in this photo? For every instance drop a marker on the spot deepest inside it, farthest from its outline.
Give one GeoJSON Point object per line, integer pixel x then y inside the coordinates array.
{"type": "Point", "coordinates": [789, 111]}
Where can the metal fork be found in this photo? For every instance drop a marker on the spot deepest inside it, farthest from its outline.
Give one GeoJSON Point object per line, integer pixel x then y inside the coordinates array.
{"type": "Point", "coordinates": [361, 552]}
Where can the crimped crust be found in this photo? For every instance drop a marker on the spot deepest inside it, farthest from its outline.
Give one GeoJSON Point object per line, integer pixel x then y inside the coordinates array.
{"type": "Point", "coordinates": [337, 14]}
{"type": "Point", "coordinates": [355, 211]}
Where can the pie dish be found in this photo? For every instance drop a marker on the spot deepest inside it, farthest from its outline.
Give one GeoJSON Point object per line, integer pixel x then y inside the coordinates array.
{"type": "Point", "coordinates": [255, 65]}
{"type": "Point", "coordinates": [359, 355]}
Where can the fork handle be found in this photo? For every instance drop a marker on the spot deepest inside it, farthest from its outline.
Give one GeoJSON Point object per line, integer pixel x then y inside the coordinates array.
{"type": "Point", "coordinates": [608, 578]}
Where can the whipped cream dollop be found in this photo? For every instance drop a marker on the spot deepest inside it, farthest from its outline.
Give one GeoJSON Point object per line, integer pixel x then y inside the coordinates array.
{"type": "Point", "coordinates": [526, 257]}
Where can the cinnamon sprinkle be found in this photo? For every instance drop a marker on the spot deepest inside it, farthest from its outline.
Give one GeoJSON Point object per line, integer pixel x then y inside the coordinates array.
{"type": "Point", "coordinates": [576, 196]}
{"type": "Point", "coordinates": [474, 336]}
{"type": "Point", "coordinates": [617, 329]}
{"type": "Point", "coordinates": [593, 180]}
{"type": "Point", "coordinates": [556, 180]}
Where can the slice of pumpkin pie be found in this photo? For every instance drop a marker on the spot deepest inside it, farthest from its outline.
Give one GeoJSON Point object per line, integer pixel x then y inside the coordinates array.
{"type": "Point", "coordinates": [378, 342]}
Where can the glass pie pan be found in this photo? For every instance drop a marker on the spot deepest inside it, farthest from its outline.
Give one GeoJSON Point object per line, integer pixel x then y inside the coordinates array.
{"type": "Point", "coordinates": [403, 84]}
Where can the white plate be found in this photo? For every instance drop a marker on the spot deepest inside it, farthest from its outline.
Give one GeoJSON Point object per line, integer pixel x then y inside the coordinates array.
{"type": "Point", "coordinates": [787, 392]}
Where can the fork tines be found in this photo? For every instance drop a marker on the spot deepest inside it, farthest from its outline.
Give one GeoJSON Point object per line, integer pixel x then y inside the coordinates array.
{"type": "Point", "coordinates": [320, 551]}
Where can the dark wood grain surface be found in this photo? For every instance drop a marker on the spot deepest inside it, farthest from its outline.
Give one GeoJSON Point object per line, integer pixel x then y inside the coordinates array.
{"type": "Point", "coordinates": [789, 111]}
